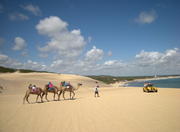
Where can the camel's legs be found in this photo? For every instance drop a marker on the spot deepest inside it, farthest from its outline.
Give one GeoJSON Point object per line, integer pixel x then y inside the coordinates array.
{"type": "Point", "coordinates": [27, 98]}
{"type": "Point", "coordinates": [59, 95]}
{"type": "Point", "coordinates": [73, 94]}
{"type": "Point", "coordinates": [41, 98]}
{"type": "Point", "coordinates": [41, 95]}
{"type": "Point", "coordinates": [63, 95]}
{"type": "Point", "coordinates": [54, 96]}
{"type": "Point", "coordinates": [46, 97]}
{"type": "Point", "coordinates": [70, 94]}
{"type": "Point", "coordinates": [24, 98]}
{"type": "Point", "coordinates": [37, 98]}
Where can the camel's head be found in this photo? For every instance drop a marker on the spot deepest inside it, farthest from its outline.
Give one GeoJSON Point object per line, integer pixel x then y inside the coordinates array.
{"type": "Point", "coordinates": [79, 84]}
{"type": "Point", "coordinates": [46, 86]}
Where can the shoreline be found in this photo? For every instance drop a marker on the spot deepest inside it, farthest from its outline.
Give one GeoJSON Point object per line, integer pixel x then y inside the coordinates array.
{"type": "Point", "coordinates": [155, 78]}
{"type": "Point", "coordinates": [124, 83]}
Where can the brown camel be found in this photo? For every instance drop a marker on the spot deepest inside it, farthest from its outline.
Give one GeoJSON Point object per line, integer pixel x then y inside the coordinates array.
{"type": "Point", "coordinates": [71, 89]}
{"type": "Point", "coordinates": [46, 91]}
{"type": "Point", "coordinates": [37, 92]}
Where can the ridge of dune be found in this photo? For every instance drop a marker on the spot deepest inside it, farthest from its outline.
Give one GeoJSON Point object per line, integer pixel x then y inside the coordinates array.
{"type": "Point", "coordinates": [18, 82]}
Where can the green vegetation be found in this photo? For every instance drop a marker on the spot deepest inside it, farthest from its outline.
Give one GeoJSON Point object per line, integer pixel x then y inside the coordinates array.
{"type": "Point", "coordinates": [113, 79]}
{"type": "Point", "coordinates": [11, 70]}
{"type": "Point", "coordinates": [28, 71]}
{"type": "Point", "coordinates": [4, 70]}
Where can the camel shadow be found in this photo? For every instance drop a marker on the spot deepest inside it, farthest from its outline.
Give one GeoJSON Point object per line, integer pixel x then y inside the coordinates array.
{"type": "Point", "coordinates": [70, 99]}
{"type": "Point", "coordinates": [50, 101]}
{"type": "Point", "coordinates": [36, 102]}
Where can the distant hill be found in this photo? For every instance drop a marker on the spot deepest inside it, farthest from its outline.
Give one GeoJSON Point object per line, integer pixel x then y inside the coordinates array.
{"type": "Point", "coordinates": [11, 70]}
{"type": "Point", "coordinates": [104, 78]}
{"type": "Point", "coordinates": [112, 79]}
{"type": "Point", "coordinates": [4, 69]}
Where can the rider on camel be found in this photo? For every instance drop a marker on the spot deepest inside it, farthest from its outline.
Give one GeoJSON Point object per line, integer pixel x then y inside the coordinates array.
{"type": "Point", "coordinates": [66, 84]}
{"type": "Point", "coordinates": [50, 86]}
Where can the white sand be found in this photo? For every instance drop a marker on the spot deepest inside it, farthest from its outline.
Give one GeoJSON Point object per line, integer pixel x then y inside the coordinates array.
{"type": "Point", "coordinates": [117, 110]}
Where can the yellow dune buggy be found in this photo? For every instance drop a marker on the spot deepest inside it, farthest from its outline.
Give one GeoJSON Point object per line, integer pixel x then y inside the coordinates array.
{"type": "Point", "coordinates": [149, 88]}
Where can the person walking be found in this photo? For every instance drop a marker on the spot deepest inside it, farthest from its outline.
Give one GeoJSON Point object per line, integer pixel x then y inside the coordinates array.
{"type": "Point", "coordinates": [96, 90]}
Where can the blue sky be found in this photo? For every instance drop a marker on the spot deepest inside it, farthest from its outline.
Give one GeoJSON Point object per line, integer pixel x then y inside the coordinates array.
{"type": "Point", "coordinates": [85, 37]}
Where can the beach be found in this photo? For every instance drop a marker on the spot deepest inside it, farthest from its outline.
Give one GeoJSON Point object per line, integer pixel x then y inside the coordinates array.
{"type": "Point", "coordinates": [125, 83]}
{"type": "Point", "coordinates": [118, 109]}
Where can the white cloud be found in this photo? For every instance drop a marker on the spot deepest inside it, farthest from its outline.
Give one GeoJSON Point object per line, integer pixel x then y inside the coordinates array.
{"type": "Point", "coordinates": [114, 64]}
{"type": "Point", "coordinates": [24, 53]}
{"type": "Point", "coordinates": [94, 54]}
{"type": "Point", "coordinates": [146, 17]}
{"type": "Point", "coordinates": [79, 66]}
{"type": "Point", "coordinates": [51, 26]}
{"type": "Point", "coordinates": [43, 55]}
{"type": "Point", "coordinates": [34, 9]}
{"type": "Point", "coordinates": [18, 16]}
{"type": "Point", "coordinates": [157, 62]}
{"type": "Point", "coordinates": [154, 58]}
{"type": "Point", "coordinates": [145, 63]}
{"type": "Point", "coordinates": [171, 52]}
{"type": "Point", "coordinates": [19, 43]}
{"type": "Point", "coordinates": [3, 58]}
{"type": "Point", "coordinates": [63, 43]}
{"type": "Point", "coordinates": [56, 63]}
{"type": "Point", "coordinates": [8, 62]}
{"type": "Point", "coordinates": [110, 62]}
{"type": "Point", "coordinates": [148, 58]}
{"type": "Point", "coordinates": [34, 65]}
{"type": "Point", "coordinates": [12, 63]}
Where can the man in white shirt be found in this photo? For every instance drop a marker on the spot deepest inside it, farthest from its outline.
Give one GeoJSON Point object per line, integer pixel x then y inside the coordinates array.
{"type": "Point", "coordinates": [96, 90]}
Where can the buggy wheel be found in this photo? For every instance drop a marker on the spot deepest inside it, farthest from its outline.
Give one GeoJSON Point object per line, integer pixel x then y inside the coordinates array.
{"type": "Point", "coordinates": [144, 90]}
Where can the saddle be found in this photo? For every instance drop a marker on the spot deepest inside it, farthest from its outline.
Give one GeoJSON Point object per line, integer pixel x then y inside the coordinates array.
{"type": "Point", "coordinates": [35, 90]}
{"type": "Point", "coordinates": [65, 84]}
{"type": "Point", "coordinates": [51, 89]}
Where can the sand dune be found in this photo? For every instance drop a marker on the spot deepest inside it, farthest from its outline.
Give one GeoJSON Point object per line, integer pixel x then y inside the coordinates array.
{"type": "Point", "coordinates": [18, 82]}
{"type": "Point", "coordinates": [117, 110]}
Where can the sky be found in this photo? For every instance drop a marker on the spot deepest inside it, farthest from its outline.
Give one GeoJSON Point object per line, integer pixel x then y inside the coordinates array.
{"type": "Point", "coordinates": [91, 37]}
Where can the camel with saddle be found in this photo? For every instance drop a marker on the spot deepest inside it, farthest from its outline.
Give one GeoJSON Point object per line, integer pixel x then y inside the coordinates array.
{"type": "Point", "coordinates": [36, 91]}
{"type": "Point", "coordinates": [47, 90]}
{"type": "Point", "coordinates": [55, 90]}
{"type": "Point", "coordinates": [70, 88]}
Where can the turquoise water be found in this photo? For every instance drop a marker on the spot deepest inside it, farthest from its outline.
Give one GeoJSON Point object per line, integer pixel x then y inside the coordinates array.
{"type": "Point", "coordinates": [163, 83]}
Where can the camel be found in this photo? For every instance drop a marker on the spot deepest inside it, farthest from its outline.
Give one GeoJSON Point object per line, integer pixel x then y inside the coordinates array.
{"type": "Point", "coordinates": [46, 91]}
{"type": "Point", "coordinates": [29, 91]}
{"type": "Point", "coordinates": [71, 89]}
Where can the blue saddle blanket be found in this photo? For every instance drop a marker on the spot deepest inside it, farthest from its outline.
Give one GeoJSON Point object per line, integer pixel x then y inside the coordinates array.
{"type": "Point", "coordinates": [50, 89]}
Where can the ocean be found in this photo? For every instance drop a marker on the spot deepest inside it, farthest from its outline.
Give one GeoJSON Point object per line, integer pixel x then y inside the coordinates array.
{"type": "Point", "coordinates": [162, 83]}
